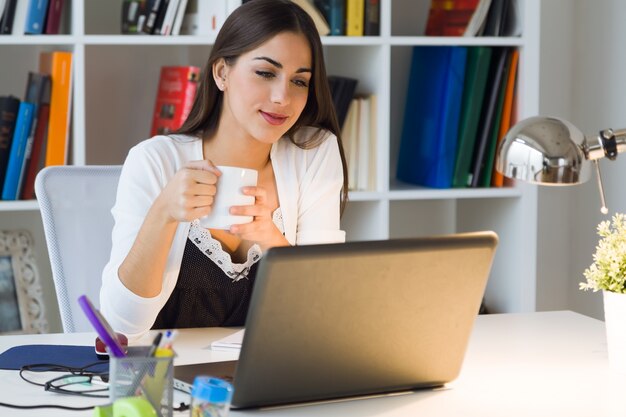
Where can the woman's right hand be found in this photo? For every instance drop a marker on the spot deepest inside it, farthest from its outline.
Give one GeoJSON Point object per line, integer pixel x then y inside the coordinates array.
{"type": "Point", "coordinates": [190, 193]}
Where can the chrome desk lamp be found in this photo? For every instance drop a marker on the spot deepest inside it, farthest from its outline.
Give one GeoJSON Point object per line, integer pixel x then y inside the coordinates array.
{"type": "Point", "coordinates": [551, 151]}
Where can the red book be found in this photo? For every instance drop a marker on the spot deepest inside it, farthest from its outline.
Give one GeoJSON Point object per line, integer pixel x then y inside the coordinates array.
{"type": "Point", "coordinates": [177, 89]}
{"type": "Point", "coordinates": [449, 17]}
{"type": "Point", "coordinates": [53, 18]}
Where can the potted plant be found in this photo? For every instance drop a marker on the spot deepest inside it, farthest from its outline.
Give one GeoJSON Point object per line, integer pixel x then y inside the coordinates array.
{"type": "Point", "coordinates": [607, 273]}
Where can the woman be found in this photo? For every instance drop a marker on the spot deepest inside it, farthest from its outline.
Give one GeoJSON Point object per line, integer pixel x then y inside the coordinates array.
{"type": "Point", "coordinates": [263, 103]}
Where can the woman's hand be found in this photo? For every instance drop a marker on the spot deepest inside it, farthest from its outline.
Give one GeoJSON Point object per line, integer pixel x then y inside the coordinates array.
{"type": "Point", "coordinates": [190, 193]}
{"type": "Point", "coordinates": [261, 229]}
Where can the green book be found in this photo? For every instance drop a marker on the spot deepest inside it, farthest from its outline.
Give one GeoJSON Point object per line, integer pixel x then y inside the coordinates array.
{"type": "Point", "coordinates": [477, 69]}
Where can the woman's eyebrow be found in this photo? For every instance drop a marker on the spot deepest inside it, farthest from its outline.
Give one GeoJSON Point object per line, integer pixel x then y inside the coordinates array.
{"type": "Point", "coordinates": [279, 65]}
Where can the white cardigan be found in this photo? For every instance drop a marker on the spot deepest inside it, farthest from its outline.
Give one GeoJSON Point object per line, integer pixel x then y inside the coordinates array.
{"type": "Point", "coordinates": [308, 183]}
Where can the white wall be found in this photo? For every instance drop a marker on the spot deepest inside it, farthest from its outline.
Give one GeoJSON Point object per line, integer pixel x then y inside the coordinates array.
{"type": "Point", "coordinates": [583, 79]}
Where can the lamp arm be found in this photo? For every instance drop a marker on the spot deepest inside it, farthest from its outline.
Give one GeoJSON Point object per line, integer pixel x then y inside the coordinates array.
{"type": "Point", "coordinates": [607, 144]}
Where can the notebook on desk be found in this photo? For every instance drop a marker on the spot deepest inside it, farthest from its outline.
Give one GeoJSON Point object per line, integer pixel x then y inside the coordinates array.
{"type": "Point", "coordinates": [332, 321]}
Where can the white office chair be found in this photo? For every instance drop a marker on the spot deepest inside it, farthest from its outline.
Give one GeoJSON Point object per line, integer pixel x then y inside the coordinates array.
{"type": "Point", "coordinates": [75, 203]}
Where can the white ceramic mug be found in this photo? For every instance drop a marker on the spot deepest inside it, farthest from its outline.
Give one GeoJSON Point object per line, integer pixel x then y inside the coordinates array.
{"type": "Point", "coordinates": [229, 194]}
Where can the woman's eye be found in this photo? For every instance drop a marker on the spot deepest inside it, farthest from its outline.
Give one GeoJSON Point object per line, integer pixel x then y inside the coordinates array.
{"type": "Point", "coordinates": [301, 83]}
{"type": "Point", "coordinates": [265, 74]}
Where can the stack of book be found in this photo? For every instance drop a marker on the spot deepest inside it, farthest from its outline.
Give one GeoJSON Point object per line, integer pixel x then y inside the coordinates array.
{"type": "Point", "coordinates": [473, 18]}
{"type": "Point", "coordinates": [34, 131]}
{"type": "Point", "coordinates": [458, 108]}
{"type": "Point", "coordinates": [32, 17]}
{"type": "Point", "coordinates": [351, 17]}
{"type": "Point", "coordinates": [175, 17]}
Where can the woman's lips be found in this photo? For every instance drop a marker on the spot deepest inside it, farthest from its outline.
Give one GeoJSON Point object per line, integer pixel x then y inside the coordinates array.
{"type": "Point", "coordinates": [273, 118]}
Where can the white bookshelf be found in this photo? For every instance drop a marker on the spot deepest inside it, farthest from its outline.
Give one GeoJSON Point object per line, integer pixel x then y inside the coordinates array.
{"type": "Point", "coordinates": [115, 80]}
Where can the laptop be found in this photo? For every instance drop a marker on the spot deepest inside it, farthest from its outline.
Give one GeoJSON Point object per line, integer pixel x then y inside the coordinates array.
{"type": "Point", "coordinates": [359, 318]}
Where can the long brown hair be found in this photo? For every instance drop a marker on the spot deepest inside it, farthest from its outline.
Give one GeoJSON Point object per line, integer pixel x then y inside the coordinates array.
{"type": "Point", "coordinates": [249, 26]}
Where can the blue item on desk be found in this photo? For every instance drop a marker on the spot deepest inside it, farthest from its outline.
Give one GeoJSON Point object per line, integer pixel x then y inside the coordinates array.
{"type": "Point", "coordinates": [71, 356]}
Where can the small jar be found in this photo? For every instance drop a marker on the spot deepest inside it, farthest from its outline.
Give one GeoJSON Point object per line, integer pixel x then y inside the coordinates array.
{"type": "Point", "coordinates": [210, 397]}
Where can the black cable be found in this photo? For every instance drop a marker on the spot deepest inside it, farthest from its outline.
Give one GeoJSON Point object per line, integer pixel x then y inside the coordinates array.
{"type": "Point", "coordinates": [30, 407]}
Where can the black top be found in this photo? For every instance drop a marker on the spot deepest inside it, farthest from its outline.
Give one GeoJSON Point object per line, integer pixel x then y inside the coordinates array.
{"type": "Point", "coordinates": [205, 296]}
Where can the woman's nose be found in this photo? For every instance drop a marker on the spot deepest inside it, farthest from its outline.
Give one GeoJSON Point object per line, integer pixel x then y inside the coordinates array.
{"type": "Point", "coordinates": [280, 93]}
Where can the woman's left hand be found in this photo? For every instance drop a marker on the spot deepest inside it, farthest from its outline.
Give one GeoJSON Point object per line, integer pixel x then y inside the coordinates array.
{"type": "Point", "coordinates": [261, 229]}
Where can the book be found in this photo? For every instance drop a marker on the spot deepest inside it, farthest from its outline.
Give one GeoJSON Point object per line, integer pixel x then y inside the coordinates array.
{"type": "Point", "coordinates": [355, 15]}
{"type": "Point", "coordinates": [8, 15]}
{"type": "Point", "coordinates": [53, 17]}
{"type": "Point", "coordinates": [59, 64]}
{"type": "Point", "coordinates": [371, 22]}
{"type": "Point", "coordinates": [320, 22]}
{"type": "Point", "coordinates": [431, 119]}
{"type": "Point", "coordinates": [477, 69]}
{"type": "Point", "coordinates": [230, 343]}
{"type": "Point", "coordinates": [175, 95]}
{"type": "Point", "coordinates": [497, 179]}
{"type": "Point", "coordinates": [477, 22]}
{"type": "Point", "coordinates": [19, 20]}
{"type": "Point", "coordinates": [487, 165]}
{"type": "Point", "coordinates": [158, 22]}
{"type": "Point", "coordinates": [9, 107]}
{"type": "Point", "coordinates": [449, 17]}
{"type": "Point", "coordinates": [151, 15]}
{"type": "Point", "coordinates": [168, 19]}
{"type": "Point", "coordinates": [36, 17]}
{"type": "Point", "coordinates": [349, 136]}
{"type": "Point", "coordinates": [178, 20]}
{"type": "Point", "coordinates": [342, 90]}
{"type": "Point", "coordinates": [38, 93]}
{"type": "Point", "coordinates": [18, 148]}
{"type": "Point", "coordinates": [36, 161]}
{"type": "Point", "coordinates": [495, 17]}
{"type": "Point", "coordinates": [131, 10]}
{"type": "Point", "coordinates": [373, 142]}
{"type": "Point", "coordinates": [488, 114]}
{"type": "Point", "coordinates": [363, 146]}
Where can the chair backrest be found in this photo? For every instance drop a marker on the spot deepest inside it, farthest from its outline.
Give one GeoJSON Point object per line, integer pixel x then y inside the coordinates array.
{"type": "Point", "coordinates": [75, 203]}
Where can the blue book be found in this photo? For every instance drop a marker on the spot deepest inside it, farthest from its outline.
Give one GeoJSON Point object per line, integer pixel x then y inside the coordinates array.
{"type": "Point", "coordinates": [337, 17]}
{"type": "Point", "coordinates": [18, 150]}
{"type": "Point", "coordinates": [431, 116]}
{"type": "Point", "coordinates": [36, 17]}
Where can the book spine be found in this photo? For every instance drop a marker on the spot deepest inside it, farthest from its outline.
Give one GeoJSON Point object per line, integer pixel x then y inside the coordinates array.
{"type": "Point", "coordinates": [131, 9]}
{"type": "Point", "coordinates": [355, 14]}
{"type": "Point", "coordinates": [372, 18]}
{"type": "Point", "coordinates": [9, 107]}
{"type": "Point", "coordinates": [6, 24]}
{"type": "Point", "coordinates": [178, 20]}
{"type": "Point", "coordinates": [36, 17]}
{"type": "Point", "coordinates": [158, 23]}
{"type": "Point", "coordinates": [35, 161]}
{"type": "Point", "coordinates": [151, 16]}
{"type": "Point", "coordinates": [337, 19]}
{"type": "Point", "coordinates": [175, 94]}
{"type": "Point", "coordinates": [168, 20]}
{"type": "Point", "coordinates": [18, 149]}
{"type": "Point", "coordinates": [53, 19]}
{"type": "Point", "coordinates": [60, 103]}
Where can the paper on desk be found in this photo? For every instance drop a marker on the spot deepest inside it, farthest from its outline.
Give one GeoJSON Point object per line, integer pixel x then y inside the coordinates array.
{"type": "Point", "coordinates": [230, 343]}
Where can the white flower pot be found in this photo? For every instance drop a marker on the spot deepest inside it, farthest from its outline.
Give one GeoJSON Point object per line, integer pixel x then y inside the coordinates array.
{"type": "Point", "coordinates": [615, 321]}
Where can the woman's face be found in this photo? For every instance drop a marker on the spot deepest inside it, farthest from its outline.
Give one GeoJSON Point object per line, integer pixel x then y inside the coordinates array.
{"type": "Point", "coordinates": [266, 89]}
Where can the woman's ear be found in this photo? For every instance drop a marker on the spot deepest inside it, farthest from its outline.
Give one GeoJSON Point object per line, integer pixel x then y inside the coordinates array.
{"type": "Point", "coordinates": [219, 73]}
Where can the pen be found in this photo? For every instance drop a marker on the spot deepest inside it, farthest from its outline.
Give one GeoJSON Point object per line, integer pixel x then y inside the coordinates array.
{"type": "Point", "coordinates": [155, 344]}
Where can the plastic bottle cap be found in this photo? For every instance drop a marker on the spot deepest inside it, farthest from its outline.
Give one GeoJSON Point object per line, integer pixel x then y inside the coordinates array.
{"type": "Point", "coordinates": [211, 389]}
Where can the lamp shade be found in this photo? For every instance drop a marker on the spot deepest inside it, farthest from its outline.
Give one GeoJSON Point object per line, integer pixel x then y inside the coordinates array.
{"type": "Point", "coordinates": [544, 150]}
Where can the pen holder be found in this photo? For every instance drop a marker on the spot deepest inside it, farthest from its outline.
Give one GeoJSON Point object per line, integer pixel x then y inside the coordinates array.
{"type": "Point", "coordinates": [150, 377]}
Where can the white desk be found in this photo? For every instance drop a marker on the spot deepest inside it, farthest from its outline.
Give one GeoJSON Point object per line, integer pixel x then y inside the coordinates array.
{"type": "Point", "coordinates": [539, 364]}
